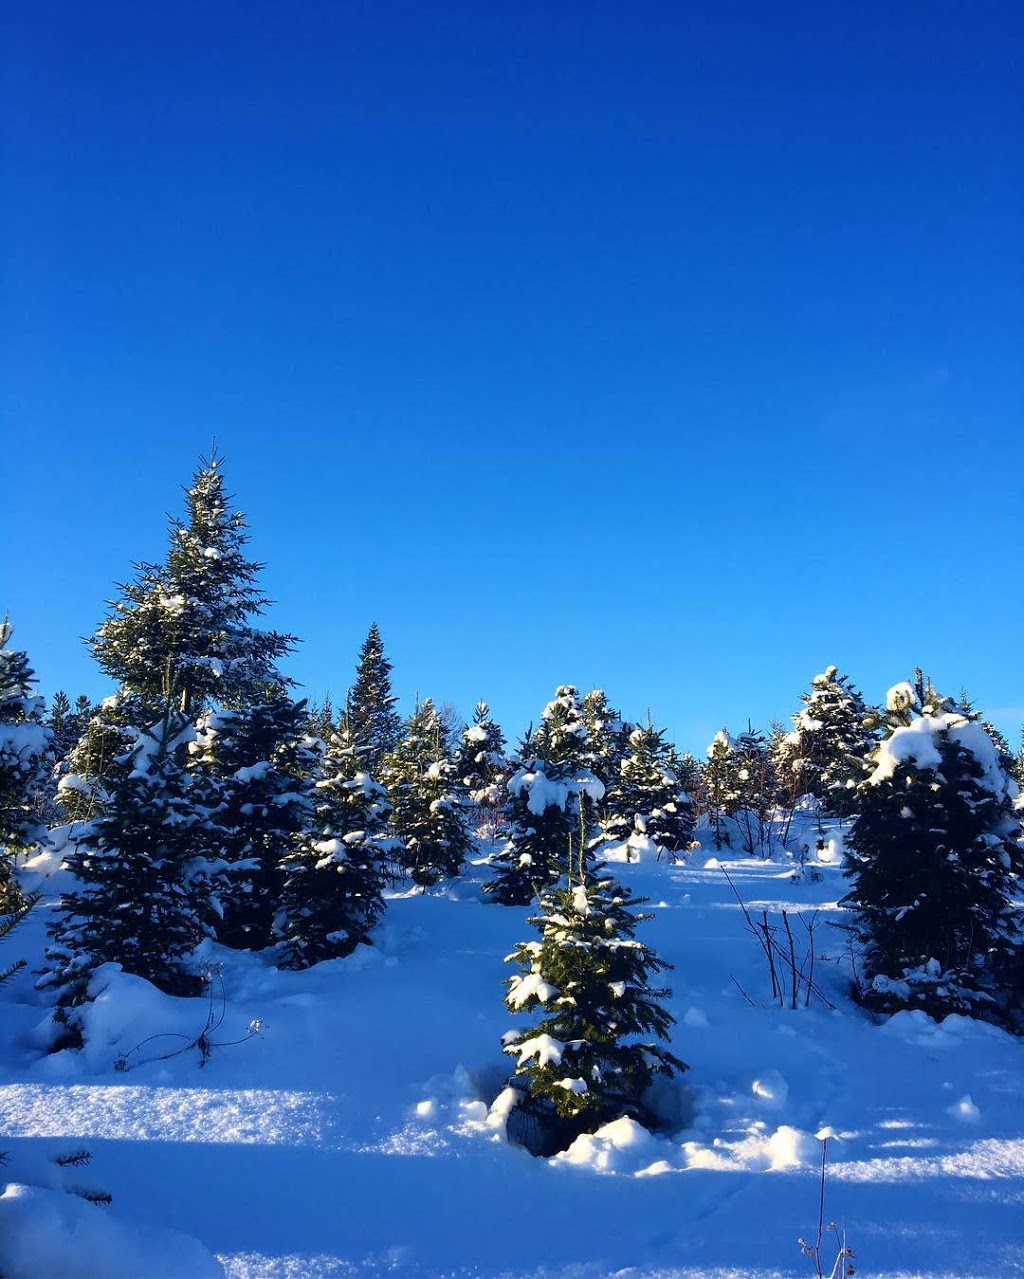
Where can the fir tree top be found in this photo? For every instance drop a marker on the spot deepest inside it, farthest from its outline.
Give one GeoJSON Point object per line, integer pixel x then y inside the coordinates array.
{"type": "Point", "coordinates": [183, 631]}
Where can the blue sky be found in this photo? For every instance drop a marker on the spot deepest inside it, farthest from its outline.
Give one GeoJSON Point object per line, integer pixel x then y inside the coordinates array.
{"type": "Point", "coordinates": [670, 348]}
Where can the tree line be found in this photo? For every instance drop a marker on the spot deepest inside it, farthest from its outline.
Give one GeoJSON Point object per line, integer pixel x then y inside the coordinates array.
{"type": "Point", "coordinates": [204, 800]}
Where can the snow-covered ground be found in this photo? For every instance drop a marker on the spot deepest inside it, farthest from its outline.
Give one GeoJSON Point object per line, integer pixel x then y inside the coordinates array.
{"type": "Point", "coordinates": [350, 1136]}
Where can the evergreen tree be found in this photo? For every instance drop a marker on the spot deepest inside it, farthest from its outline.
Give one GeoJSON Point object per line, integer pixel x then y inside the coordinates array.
{"type": "Point", "coordinates": [333, 878]}
{"type": "Point", "coordinates": [427, 800]}
{"type": "Point", "coordinates": [825, 754]}
{"type": "Point", "coordinates": [480, 763]}
{"type": "Point", "coordinates": [101, 757]}
{"type": "Point", "coordinates": [935, 860]}
{"type": "Point", "coordinates": [25, 756]}
{"type": "Point", "coordinates": [607, 737]}
{"type": "Point", "coordinates": [648, 803]}
{"type": "Point", "coordinates": [754, 790]}
{"type": "Point", "coordinates": [183, 631]}
{"type": "Point", "coordinates": [257, 765]}
{"type": "Point", "coordinates": [320, 719]}
{"type": "Point", "coordinates": [551, 792]}
{"type": "Point", "coordinates": [595, 1052]}
{"type": "Point", "coordinates": [141, 895]}
{"type": "Point", "coordinates": [371, 705]}
{"type": "Point", "coordinates": [718, 786]}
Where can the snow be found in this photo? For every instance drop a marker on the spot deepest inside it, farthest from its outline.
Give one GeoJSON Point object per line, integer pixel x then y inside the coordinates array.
{"type": "Point", "coordinates": [364, 1131]}
{"type": "Point", "coordinates": [917, 744]}
{"type": "Point", "coordinates": [46, 1232]}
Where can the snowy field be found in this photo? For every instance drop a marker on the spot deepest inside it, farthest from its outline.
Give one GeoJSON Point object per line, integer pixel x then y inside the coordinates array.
{"type": "Point", "coordinates": [350, 1136]}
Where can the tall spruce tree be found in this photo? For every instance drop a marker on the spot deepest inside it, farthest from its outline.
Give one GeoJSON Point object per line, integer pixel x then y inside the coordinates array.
{"type": "Point", "coordinates": [935, 860]}
{"type": "Point", "coordinates": [141, 870]}
{"type": "Point", "coordinates": [258, 765]}
{"type": "Point", "coordinates": [25, 758]}
{"type": "Point", "coordinates": [594, 1052]}
{"type": "Point", "coordinates": [183, 631]}
{"type": "Point", "coordinates": [370, 706]}
{"type": "Point", "coordinates": [333, 878]}
{"type": "Point", "coordinates": [551, 790]}
{"type": "Point", "coordinates": [427, 799]}
{"type": "Point", "coordinates": [648, 805]}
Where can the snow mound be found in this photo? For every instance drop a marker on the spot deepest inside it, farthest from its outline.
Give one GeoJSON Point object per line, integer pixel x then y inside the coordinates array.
{"type": "Point", "coordinates": [783, 1150]}
{"type": "Point", "coordinates": [46, 1232]}
{"type": "Point", "coordinates": [965, 1110]}
{"type": "Point", "coordinates": [623, 1147]}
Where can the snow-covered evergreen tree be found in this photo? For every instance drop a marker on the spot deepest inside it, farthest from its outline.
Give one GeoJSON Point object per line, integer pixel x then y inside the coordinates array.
{"type": "Point", "coordinates": [595, 1050]}
{"type": "Point", "coordinates": [184, 631]}
{"type": "Point", "coordinates": [320, 720]}
{"type": "Point", "coordinates": [101, 756]}
{"type": "Point", "coordinates": [258, 765]}
{"type": "Point", "coordinates": [141, 894]}
{"type": "Point", "coordinates": [371, 705]}
{"type": "Point", "coordinates": [648, 805]}
{"type": "Point", "coordinates": [480, 762]}
{"type": "Point", "coordinates": [935, 860]}
{"type": "Point", "coordinates": [754, 790]}
{"type": "Point", "coordinates": [550, 790]}
{"type": "Point", "coordinates": [718, 786]}
{"type": "Point", "coordinates": [825, 754]}
{"type": "Point", "coordinates": [427, 799]}
{"type": "Point", "coordinates": [607, 737]}
{"type": "Point", "coordinates": [25, 759]}
{"type": "Point", "coordinates": [333, 878]}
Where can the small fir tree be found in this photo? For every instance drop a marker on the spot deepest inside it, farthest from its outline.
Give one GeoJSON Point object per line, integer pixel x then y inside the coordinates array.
{"type": "Point", "coordinates": [25, 759]}
{"type": "Point", "coordinates": [825, 754]}
{"type": "Point", "coordinates": [333, 878]}
{"type": "Point", "coordinates": [754, 790]}
{"type": "Point", "coordinates": [607, 737]}
{"type": "Point", "coordinates": [371, 706]}
{"type": "Point", "coordinates": [480, 762]}
{"type": "Point", "coordinates": [101, 757]}
{"type": "Point", "coordinates": [935, 861]}
{"type": "Point", "coordinates": [648, 806]}
{"type": "Point", "coordinates": [320, 720]}
{"type": "Point", "coordinates": [594, 1053]}
{"type": "Point", "coordinates": [718, 786]}
{"type": "Point", "coordinates": [551, 791]}
{"type": "Point", "coordinates": [427, 799]}
{"type": "Point", "coordinates": [141, 871]}
{"type": "Point", "coordinates": [257, 764]}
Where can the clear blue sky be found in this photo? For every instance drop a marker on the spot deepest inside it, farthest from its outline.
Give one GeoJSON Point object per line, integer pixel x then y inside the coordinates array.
{"type": "Point", "coordinates": [671, 348]}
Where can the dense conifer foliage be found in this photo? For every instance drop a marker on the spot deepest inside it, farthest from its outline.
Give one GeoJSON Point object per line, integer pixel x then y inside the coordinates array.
{"type": "Point", "coordinates": [824, 754]}
{"type": "Point", "coordinates": [480, 761]}
{"type": "Point", "coordinates": [183, 631]}
{"type": "Point", "coordinates": [551, 795]}
{"type": "Point", "coordinates": [142, 872]}
{"type": "Point", "coordinates": [427, 799]}
{"type": "Point", "coordinates": [332, 896]}
{"type": "Point", "coordinates": [25, 759]}
{"type": "Point", "coordinates": [370, 706]}
{"type": "Point", "coordinates": [648, 804]}
{"type": "Point", "coordinates": [595, 1051]}
{"type": "Point", "coordinates": [935, 859]}
{"type": "Point", "coordinates": [258, 766]}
